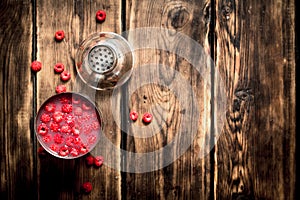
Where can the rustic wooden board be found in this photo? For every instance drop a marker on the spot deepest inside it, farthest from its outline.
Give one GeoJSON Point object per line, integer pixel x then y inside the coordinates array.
{"type": "Point", "coordinates": [16, 154]}
{"type": "Point", "coordinates": [255, 156]}
{"type": "Point", "coordinates": [189, 177]}
{"type": "Point", "coordinates": [61, 179]}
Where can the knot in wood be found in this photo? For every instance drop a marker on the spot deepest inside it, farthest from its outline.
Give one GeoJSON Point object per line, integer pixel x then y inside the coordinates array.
{"type": "Point", "coordinates": [176, 15]}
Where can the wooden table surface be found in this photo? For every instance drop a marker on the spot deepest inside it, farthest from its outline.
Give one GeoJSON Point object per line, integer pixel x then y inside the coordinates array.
{"type": "Point", "coordinates": [252, 46]}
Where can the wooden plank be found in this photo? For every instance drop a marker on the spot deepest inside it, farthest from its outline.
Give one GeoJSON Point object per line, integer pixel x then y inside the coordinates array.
{"type": "Point", "coordinates": [16, 96]}
{"type": "Point", "coordinates": [189, 176]}
{"type": "Point", "coordinates": [255, 155]}
{"type": "Point", "coordinates": [77, 19]}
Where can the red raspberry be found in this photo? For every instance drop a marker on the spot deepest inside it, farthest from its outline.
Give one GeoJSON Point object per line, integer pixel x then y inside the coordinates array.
{"type": "Point", "coordinates": [86, 106]}
{"type": "Point", "coordinates": [65, 76]}
{"type": "Point", "coordinates": [66, 129]}
{"type": "Point", "coordinates": [75, 100]}
{"type": "Point", "coordinates": [50, 107]}
{"type": "Point", "coordinates": [58, 138]}
{"type": "Point", "coordinates": [54, 147]}
{"type": "Point", "coordinates": [63, 151]}
{"type": "Point", "coordinates": [86, 187]}
{"type": "Point", "coordinates": [67, 108]}
{"type": "Point", "coordinates": [147, 118]}
{"type": "Point", "coordinates": [47, 138]}
{"type": "Point", "coordinates": [59, 35]}
{"type": "Point", "coordinates": [59, 68]}
{"type": "Point", "coordinates": [100, 16]}
{"type": "Point", "coordinates": [54, 126]}
{"type": "Point", "coordinates": [70, 141]}
{"type": "Point", "coordinates": [41, 151]}
{"type": "Point", "coordinates": [95, 125]}
{"type": "Point", "coordinates": [89, 160]}
{"type": "Point", "coordinates": [74, 152]}
{"type": "Point", "coordinates": [64, 100]}
{"type": "Point", "coordinates": [43, 129]}
{"type": "Point", "coordinates": [58, 116]}
{"type": "Point", "coordinates": [83, 149]}
{"type": "Point", "coordinates": [70, 120]}
{"type": "Point", "coordinates": [133, 115]}
{"type": "Point", "coordinates": [45, 118]}
{"type": "Point", "coordinates": [76, 130]}
{"type": "Point", "coordinates": [77, 140]}
{"type": "Point", "coordinates": [60, 89]}
{"type": "Point", "coordinates": [78, 111]}
{"type": "Point", "coordinates": [92, 139]}
{"type": "Point", "coordinates": [36, 66]}
{"type": "Point", "coordinates": [98, 161]}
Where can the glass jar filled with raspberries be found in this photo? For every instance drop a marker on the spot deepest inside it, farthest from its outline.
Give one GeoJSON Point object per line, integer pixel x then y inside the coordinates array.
{"type": "Point", "coordinates": [68, 125]}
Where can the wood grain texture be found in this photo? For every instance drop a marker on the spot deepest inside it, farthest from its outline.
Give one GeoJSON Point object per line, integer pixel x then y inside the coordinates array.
{"type": "Point", "coordinates": [255, 156]}
{"type": "Point", "coordinates": [188, 177]}
{"type": "Point", "coordinates": [16, 153]}
{"type": "Point", "coordinates": [77, 19]}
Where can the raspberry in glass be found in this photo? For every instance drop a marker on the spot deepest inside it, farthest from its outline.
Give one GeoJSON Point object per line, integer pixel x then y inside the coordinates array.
{"type": "Point", "coordinates": [43, 129]}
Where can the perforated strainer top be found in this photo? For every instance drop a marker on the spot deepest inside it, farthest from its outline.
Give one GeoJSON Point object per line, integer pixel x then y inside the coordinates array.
{"type": "Point", "coordinates": [102, 58]}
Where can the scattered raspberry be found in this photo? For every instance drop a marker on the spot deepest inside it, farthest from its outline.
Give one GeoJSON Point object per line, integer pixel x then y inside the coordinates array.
{"type": "Point", "coordinates": [60, 89]}
{"type": "Point", "coordinates": [65, 76]}
{"type": "Point", "coordinates": [89, 160]}
{"type": "Point", "coordinates": [50, 107]}
{"type": "Point", "coordinates": [45, 118]}
{"type": "Point", "coordinates": [59, 35]}
{"type": "Point", "coordinates": [133, 115]}
{"type": "Point", "coordinates": [36, 66]}
{"type": "Point", "coordinates": [100, 16]}
{"type": "Point", "coordinates": [67, 108]}
{"type": "Point", "coordinates": [98, 161]}
{"type": "Point", "coordinates": [59, 68]}
{"type": "Point", "coordinates": [147, 118]}
{"type": "Point", "coordinates": [43, 129]}
{"type": "Point", "coordinates": [86, 187]}
{"type": "Point", "coordinates": [41, 151]}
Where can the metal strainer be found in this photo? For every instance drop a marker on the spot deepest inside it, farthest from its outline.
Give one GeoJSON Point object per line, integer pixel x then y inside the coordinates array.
{"type": "Point", "coordinates": [102, 58]}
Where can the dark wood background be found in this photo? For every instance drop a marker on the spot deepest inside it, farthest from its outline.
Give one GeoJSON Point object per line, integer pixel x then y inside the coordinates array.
{"type": "Point", "coordinates": [252, 44]}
